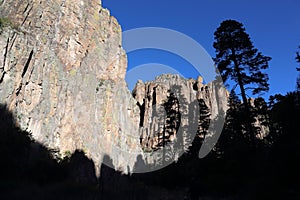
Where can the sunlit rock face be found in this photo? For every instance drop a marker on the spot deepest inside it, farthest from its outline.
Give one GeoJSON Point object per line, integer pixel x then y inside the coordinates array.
{"type": "Point", "coordinates": [62, 72]}
{"type": "Point", "coordinates": [173, 111]}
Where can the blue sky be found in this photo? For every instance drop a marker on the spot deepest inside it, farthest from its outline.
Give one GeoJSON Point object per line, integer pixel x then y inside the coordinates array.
{"type": "Point", "coordinates": [274, 27]}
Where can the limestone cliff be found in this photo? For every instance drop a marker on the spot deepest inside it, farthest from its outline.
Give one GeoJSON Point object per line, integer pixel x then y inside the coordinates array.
{"type": "Point", "coordinates": [187, 95]}
{"type": "Point", "coordinates": [62, 72]}
{"type": "Point", "coordinates": [174, 110]}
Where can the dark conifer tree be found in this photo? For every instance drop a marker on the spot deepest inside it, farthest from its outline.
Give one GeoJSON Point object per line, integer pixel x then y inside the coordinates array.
{"type": "Point", "coordinates": [298, 58]}
{"type": "Point", "coordinates": [298, 69]}
{"type": "Point", "coordinates": [237, 59]}
{"type": "Point", "coordinates": [235, 126]}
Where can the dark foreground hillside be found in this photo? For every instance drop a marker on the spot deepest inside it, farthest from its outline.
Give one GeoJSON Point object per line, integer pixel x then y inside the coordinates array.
{"type": "Point", "coordinates": [235, 170]}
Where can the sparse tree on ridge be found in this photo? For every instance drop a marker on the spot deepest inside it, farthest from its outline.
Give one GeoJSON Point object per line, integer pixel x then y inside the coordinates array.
{"type": "Point", "coordinates": [298, 58]}
{"type": "Point", "coordinates": [237, 59]}
{"type": "Point", "coordinates": [298, 69]}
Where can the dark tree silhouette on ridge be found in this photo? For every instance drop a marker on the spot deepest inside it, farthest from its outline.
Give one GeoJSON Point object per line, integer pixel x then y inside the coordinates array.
{"type": "Point", "coordinates": [298, 58]}
{"type": "Point", "coordinates": [298, 69]}
{"type": "Point", "coordinates": [237, 59]}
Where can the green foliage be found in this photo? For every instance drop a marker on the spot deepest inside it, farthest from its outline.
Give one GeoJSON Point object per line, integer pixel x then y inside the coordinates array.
{"type": "Point", "coordinates": [6, 22]}
{"type": "Point", "coordinates": [73, 72]}
{"type": "Point", "coordinates": [147, 150]}
{"type": "Point", "coordinates": [67, 154]}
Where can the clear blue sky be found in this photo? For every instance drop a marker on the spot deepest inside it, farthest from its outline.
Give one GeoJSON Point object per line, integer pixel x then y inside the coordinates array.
{"type": "Point", "coordinates": [273, 25]}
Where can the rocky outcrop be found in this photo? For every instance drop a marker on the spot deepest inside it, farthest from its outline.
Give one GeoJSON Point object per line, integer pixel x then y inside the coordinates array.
{"type": "Point", "coordinates": [158, 100]}
{"type": "Point", "coordinates": [62, 72]}
{"type": "Point", "coordinates": [174, 110]}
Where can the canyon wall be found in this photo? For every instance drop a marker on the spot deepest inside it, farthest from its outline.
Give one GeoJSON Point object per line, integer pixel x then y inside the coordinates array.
{"type": "Point", "coordinates": [62, 70]}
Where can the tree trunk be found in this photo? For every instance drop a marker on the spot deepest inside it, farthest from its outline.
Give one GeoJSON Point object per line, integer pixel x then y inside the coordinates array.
{"type": "Point", "coordinates": [245, 100]}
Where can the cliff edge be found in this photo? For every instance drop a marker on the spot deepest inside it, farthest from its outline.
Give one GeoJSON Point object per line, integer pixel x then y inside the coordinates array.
{"type": "Point", "coordinates": [62, 72]}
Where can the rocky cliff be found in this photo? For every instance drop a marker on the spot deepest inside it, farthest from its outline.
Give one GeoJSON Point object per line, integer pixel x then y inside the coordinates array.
{"type": "Point", "coordinates": [62, 70]}
{"type": "Point", "coordinates": [170, 95]}
{"type": "Point", "coordinates": [174, 110]}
